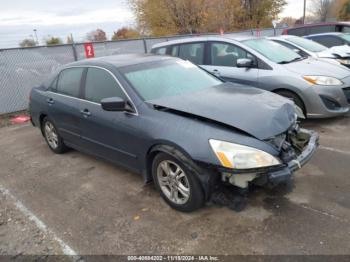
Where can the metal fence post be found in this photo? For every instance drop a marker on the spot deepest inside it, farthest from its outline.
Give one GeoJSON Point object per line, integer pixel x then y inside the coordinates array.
{"type": "Point", "coordinates": [144, 45]}
{"type": "Point", "coordinates": [75, 55]}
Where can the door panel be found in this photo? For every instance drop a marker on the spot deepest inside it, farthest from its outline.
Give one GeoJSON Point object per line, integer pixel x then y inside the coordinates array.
{"type": "Point", "coordinates": [64, 105]}
{"type": "Point", "coordinates": [104, 133]}
{"type": "Point", "coordinates": [110, 135]}
{"type": "Point", "coordinates": [64, 111]}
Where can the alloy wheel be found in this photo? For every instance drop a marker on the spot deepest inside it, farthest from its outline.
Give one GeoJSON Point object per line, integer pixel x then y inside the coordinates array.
{"type": "Point", "coordinates": [173, 182]}
{"type": "Point", "coordinates": [51, 135]}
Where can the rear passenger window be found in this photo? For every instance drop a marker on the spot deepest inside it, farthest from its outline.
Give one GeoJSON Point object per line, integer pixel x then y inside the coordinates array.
{"type": "Point", "coordinates": [193, 52]}
{"type": "Point", "coordinates": [161, 51]}
{"type": "Point", "coordinates": [100, 84]}
{"type": "Point", "coordinates": [69, 81]}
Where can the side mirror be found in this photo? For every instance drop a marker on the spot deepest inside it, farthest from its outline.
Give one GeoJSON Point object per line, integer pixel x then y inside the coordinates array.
{"type": "Point", "coordinates": [244, 63]}
{"type": "Point", "coordinates": [114, 104]}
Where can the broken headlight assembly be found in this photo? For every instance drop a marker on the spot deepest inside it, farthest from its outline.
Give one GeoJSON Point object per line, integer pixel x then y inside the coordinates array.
{"type": "Point", "coordinates": [237, 156]}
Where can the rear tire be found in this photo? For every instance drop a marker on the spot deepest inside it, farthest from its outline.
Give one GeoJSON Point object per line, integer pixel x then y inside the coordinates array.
{"type": "Point", "coordinates": [52, 137]}
{"type": "Point", "coordinates": [294, 97]}
{"type": "Point", "coordinates": [177, 183]}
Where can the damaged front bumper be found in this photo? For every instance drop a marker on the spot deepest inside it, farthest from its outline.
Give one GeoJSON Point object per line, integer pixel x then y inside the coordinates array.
{"type": "Point", "coordinates": [274, 175]}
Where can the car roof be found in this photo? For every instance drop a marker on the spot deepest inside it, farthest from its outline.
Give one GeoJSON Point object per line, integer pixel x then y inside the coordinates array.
{"type": "Point", "coordinates": [120, 60]}
{"type": "Point", "coordinates": [239, 38]}
{"type": "Point", "coordinates": [329, 33]}
{"type": "Point", "coordinates": [282, 37]}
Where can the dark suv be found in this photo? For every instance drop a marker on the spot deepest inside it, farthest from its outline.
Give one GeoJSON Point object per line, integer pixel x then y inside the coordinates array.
{"type": "Point", "coordinates": [318, 28]}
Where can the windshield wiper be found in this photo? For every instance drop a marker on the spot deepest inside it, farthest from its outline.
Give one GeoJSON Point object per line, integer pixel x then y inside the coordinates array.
{"type": "Point", "coordinates": [291, 61]}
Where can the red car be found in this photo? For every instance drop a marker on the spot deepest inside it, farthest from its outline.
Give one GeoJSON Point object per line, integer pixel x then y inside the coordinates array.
{"type": "Point", "coordinates": [317, 28]}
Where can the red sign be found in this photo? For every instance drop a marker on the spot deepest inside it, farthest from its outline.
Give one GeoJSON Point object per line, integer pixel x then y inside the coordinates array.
{"type": "Point", "coordinates": [89, 50]}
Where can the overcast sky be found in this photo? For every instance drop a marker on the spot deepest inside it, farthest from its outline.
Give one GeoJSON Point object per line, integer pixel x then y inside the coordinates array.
{"type": "Point", "coordinates": [59, 18]}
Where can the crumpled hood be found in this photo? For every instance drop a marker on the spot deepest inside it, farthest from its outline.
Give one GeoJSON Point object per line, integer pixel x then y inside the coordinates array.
{"type": "Point", "coordinates": [312, 66]}
{"type": "Point", "coordinates": [260, 113]}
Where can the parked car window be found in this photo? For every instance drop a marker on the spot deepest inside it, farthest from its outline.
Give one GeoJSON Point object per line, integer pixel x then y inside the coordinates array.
{"type": "Point", "coordinates": [69, 81]}
{"type": "Point", "coordinates": [321, 29]}
{"type": "Point", "coordinates": [346, 37]}
{"type": "Point", "coordinates": [175, 50]}
{"type": "Point", "coordinates": [345, 29]}
{"type": "Point", "coordinates": [224, 54]}
{"type": "Point", "coordinates": [293, 48]}
{"type": "Point", "coordinates": [307, 44]}
{"type": "Point", "coordinates": [168, 78]}
{"type": "Point", "coordinates": [275, 52]}
{"type": "Point", "coordinates": [161, 51]}
{"type": "Point", "coordinates": [193, 52]}
{"type": "Point", "coordinates": [297, 31]}
{"type": "Point", "coordinates": [53, 85]}
{"type": "Point", "coordinates": [328, 40]}
{"type": "Point", "coordinates": [100, 84]}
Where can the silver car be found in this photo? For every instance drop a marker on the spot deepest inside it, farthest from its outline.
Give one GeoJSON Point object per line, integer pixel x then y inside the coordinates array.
{"type": "Point", "coordinates": [306, 47]}
{"type": "Point", "coordinates": [319, 88]}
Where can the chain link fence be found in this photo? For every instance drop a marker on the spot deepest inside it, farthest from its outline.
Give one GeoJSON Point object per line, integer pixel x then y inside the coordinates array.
{"type": "Point", "coordinates": [23, 68]}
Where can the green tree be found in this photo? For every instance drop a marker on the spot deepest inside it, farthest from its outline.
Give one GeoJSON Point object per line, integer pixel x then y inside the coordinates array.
{"type": "Point", "coordinates": [125, 33]}
{"type": "Point", "coordinates": [53, 41]}
{"type": "Point", "coordinates": [27, 43]}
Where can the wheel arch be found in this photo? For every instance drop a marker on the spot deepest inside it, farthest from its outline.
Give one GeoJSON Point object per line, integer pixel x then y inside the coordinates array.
{"type": "Point", "coordinates": [41, 119]}
{"type": "Point", "coordinates": [204, 176]}
{"type": "Point", "coordinates": [158, 147]}
{"type": "Point", "coordinates": [293, 92]}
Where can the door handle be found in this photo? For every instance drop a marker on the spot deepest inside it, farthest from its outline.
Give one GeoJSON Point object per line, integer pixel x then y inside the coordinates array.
{"type": "Point", "coordinates": [50, 101]}
{"type": "Point", "coordinates": [85, 112]}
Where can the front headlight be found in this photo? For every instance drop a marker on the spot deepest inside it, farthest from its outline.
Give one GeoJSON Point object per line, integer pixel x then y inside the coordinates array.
{"type": "Point", "coordinates": [241, 157]}
{"type": "Point", "coordinates": [344, 61]}
{"type": "Point", "coordinates": [323, 80]}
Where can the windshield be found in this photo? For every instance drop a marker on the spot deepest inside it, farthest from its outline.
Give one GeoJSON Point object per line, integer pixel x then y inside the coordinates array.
{"type": "Point", "coordinates": [273, 51]}
{"type": "Point", "coordinates": [307, 44]}
{"type": "Point", "coordinates": [345, 37]}
{"type": "Point", "coordinates": [167, 78]}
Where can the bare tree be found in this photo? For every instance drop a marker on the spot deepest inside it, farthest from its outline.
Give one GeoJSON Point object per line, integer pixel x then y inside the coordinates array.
{"type": "Point", "coordinates": [27, 43]}
{"type": "Point", "coordinates": [322, 9]}
{"type": "Point", "coordinates": [96, 35]}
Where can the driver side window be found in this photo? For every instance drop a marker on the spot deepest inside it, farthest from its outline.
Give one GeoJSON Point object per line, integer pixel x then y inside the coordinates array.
{"type": "Point", "coordinates": [224, 54]}
{"type": "Point", "coordinates": [100, 84]}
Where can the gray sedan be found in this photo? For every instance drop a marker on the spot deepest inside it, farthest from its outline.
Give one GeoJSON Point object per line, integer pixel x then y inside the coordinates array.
{"type": "Point", "coordinates": [172, 122]}
{"type": "Point", "coordinates": [319, 88]}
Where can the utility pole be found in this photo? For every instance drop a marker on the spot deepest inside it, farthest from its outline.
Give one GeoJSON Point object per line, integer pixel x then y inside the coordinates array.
{"type": "Point", "coordinates": [304, 12]}
{"type": "Point", "coordinates": [36, 36]}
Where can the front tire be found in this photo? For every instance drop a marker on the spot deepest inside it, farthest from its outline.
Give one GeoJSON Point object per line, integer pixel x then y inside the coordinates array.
{"type": "Point", "coordinates": [53, 139]}
{"type": "Point", "coordinates": [177, 183]}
